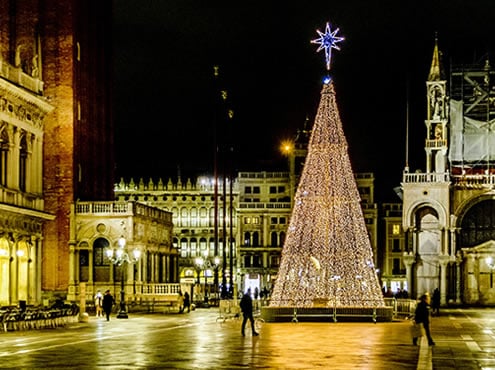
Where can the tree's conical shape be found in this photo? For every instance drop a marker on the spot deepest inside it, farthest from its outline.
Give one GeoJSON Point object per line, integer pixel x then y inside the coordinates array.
{"type": "Point", "coordinates": [327, 256]}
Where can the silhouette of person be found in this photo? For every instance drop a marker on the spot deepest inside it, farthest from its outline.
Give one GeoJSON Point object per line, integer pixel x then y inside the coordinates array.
{"type": "Point", "coordinates": [247, 312]}
{"type": "Point", "coordinates": [187, 302]}
{"type": "Point", "coordinates": [435, 302]}
{"type": "Point", "coordinates": [99, 304]}
{"type": "Point", "coordinates": [422, 315]}
{"type": "Point", "coordinates": [108, 302]}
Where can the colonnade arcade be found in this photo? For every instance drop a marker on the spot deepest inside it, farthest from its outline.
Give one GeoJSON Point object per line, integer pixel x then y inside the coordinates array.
{"type": "Point", "coordinates": [93, 267]}
{"type": "Point", "coordinates": [19, 268]}
{"type": "Point", "coordinates": [458, 259]}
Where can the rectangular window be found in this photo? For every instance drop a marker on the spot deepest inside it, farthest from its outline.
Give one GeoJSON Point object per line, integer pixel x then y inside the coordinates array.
{"type": "Point", "coordinates": [274, 261]}
{"type": "Point", "coordinates": [256, 189]}
{"type": "Point", "coordinates": [282, 221]}
{"type": "Point", "coordinates": [273, 220]}
{"type": "Point", "coordinates": [396, 268]}
{"type": "Point", "coordinates": [396, 245]}
{"type": "Point", "coordinates": [247, 220]}
{"type": "Point", "coordinates": [273, 189]}
{"type": "Point", "coordinates": [247, 261]}
{"type": "Point", "coordinates": [281, 189]}
{"type": "Point", "coordinates": [256, 261]}
{"type": "Point", "coordinates": [247, 190]}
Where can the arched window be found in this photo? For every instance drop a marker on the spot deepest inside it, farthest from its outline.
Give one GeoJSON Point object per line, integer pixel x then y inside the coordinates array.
{"type": "Point", "coordinates": [101, 263]}
{"type": "Point", "coordinates": [247, 238]}
{"type": "Point", "coordinates": [256, 239]}
{"type": "Point", "coordinates": [184, 217]}
{"type": "Point", "coordinates": [194, 247]}
{"type": "Point", "coordinates": [212, 217]}
{"type": "Point", "coordinates": [184, 249]}
{"type": "Point", "coordinates": [203, 246]}
{"type": "Point", "coordinates": [203, 215]}
{"type": "Point", "coordinates": [194, 217]}
{"type": "Point", "coordinates": [274, 238]}
{"type": "Point", "coordinates": [282, 238]}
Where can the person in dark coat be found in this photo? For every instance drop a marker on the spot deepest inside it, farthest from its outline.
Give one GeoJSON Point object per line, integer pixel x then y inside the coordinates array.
{"type": "Point", "coordinates": [108, 302]}
{"type": "Point", "coordinates": [435, 303]}
{"type": "Point", "coordinates": [422, 315]}
{"type": "Point", "coordinates": [187, 302]}
{"type": "Point", "coordinates": [247, 312]}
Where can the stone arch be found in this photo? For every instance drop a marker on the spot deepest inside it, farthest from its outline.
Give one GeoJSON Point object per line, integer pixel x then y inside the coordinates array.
{"type": "Point", "coordinates": [410, 217]}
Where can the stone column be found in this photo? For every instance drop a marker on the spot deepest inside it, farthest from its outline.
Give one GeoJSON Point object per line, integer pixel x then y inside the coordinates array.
{"type": "Point", "coordinates": [408, 259]}
{"type": "Point", "coordinates": [91, 269]}
{"type": "Point", "coordinates": [471, 290]}
{"type": "Point", "coordinates": [443, 260]}
{"type": "Point", "coordinates": [458, 262]}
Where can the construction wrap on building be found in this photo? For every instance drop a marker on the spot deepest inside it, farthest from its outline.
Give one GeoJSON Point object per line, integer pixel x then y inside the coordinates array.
{"type": "Point", "coordinates": [471, 141]}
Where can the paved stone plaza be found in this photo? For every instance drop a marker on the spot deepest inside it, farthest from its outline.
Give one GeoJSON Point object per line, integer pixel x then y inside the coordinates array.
{"type": "Point", "coordinates": [465, 339]}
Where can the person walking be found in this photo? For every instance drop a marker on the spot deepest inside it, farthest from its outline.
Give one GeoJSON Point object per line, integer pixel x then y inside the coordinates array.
{"type": "Point", "coordinates": [422, 315]}
{"type": "Point", "coordinates": [247, 312]}
{"type": "Point", "coordinates": [99, 304]}
{"type": "Point", "coordinates": [435, 303]}
{"type": "Point", "coordinates": [108, 302]}
{"type": "Point", "coordinates": [180, 300]}
{"type": "Point", "coordinates": [187, 302]}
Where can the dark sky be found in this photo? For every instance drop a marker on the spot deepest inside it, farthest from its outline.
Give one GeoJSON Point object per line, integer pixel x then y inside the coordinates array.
{"type": "Point", "coordinates": [164, 91]}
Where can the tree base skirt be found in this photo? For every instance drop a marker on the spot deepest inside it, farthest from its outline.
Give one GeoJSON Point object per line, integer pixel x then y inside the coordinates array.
{"type": "Point", "coordinates": [327, 314]}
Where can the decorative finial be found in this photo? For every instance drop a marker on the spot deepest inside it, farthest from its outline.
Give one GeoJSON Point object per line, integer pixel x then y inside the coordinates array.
{"type": "Point", "coordinates": [328, 41]}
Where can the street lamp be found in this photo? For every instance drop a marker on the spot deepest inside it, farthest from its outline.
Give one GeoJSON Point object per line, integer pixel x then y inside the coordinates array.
{"type": "Point", "coordinates": [205, 264]}
{"type": "Point", "coordinates": [120, 257]}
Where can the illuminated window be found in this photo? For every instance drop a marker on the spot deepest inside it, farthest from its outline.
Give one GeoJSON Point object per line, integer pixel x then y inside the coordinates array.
{"type": "Point", "coordinates": [396, 229]}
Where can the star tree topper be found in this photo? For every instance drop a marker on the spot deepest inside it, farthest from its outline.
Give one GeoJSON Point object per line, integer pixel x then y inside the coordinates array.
{"type": "Point", "coordinates": [328, 41]}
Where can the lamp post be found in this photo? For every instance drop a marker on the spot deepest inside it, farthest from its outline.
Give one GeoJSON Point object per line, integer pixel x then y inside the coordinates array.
{"type": "Point", "coordinates": [120, 257]}
{"type": "Point", "coordinates": [205, 264]}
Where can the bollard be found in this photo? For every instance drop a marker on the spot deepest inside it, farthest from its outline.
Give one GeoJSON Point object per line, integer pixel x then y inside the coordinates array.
{"type": "Point", "coordinates": [84, 317]}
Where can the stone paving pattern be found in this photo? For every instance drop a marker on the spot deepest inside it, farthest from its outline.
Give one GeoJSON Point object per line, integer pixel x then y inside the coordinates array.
{"type": "Point", "coordinates": [465, 339]}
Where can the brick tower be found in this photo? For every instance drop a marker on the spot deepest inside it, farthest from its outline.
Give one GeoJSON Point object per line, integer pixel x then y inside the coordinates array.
{"type": "Point", "coordinates": [68, 45]}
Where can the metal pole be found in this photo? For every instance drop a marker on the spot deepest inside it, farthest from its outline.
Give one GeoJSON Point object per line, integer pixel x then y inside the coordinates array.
{"type": "Point", "coordinates": [123, 312]}
{"type": "Point", "coordinates": [206, 286]}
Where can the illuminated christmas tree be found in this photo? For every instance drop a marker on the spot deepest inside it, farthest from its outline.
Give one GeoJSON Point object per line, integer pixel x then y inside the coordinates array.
{"type": "Point", "coordinates": [327, 259]}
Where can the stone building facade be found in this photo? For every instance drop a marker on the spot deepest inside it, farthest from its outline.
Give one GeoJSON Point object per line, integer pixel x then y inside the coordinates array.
{"type": "Point", "coordinates": [449, 210]}
{"type": "Point", "coordinates": [257, 212]}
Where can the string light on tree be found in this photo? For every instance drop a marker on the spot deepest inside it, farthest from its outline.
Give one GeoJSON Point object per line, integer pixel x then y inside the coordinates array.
{"type": "Point", "coordinates": [327, 255]}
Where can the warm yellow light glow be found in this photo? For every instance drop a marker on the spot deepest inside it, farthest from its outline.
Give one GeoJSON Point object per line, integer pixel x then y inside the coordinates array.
{"type": "Point", "coordinates": [327, 255]}
{"type": "Point", "coordinates": [287, 147]}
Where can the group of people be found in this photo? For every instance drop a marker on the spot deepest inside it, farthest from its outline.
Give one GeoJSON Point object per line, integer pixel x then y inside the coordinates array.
{"type": "Point", "coordinates": [104, 304]}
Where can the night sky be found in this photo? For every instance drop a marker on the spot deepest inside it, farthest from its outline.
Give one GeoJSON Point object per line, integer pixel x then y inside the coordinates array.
{"type": "Point", "coordinates": [164, 89]}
